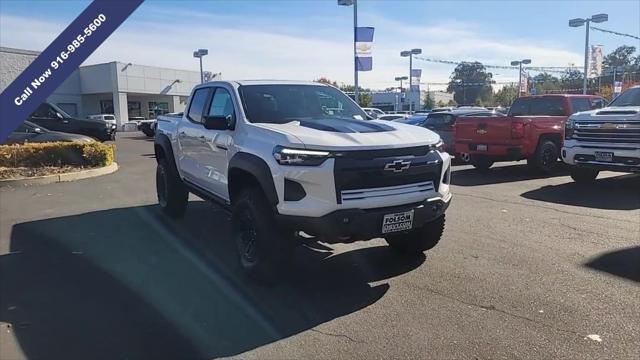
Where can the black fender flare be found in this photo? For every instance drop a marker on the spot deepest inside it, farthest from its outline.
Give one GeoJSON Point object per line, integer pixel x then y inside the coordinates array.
{"type": "Point", "coordinates": [256, 166]}
{"type": "Point", "coordinates": [162, 141]}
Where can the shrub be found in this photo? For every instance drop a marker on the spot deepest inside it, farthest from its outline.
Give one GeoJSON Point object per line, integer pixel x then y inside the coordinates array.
{"type": "Point", "coordinates": [59, 154]}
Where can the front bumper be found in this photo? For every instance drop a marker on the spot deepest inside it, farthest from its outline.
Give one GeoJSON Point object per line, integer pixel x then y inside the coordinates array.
{"type": "Point", "coordinates": [362, 224]}
{"type": "Point", "coordinates": [625, 159]}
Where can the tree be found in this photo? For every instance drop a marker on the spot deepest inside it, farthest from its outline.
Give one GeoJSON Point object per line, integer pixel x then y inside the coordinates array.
{"type": "Point", "coordinates": [325, 80]}
{"type": "Point", "coordinates": [452, 103]}
{"type": "Point", "coordinates": [364, 94]}
{"type": "Point", "coordinates": [571, 80]}
{"type": "Point", "coordinates": [470, 81]}
{"type": "Point", "coordinates": [441, 103]}
{"type": "Point", "coordinates": [506, 95]}
{"type": "Point", "coordinates": [607, 92]}
{"type": "Point", "coordinates": [428, 102]}
{"type": "Point", "coordinates": [546, 83]}
{"type": "Point", "coordinates": [622, 56]}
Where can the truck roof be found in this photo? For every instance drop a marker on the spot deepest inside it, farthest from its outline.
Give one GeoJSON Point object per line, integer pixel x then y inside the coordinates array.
{"type": "Point", "coordinates": [265, 82]}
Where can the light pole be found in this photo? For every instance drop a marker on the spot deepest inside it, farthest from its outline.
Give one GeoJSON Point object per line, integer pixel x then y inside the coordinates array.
{"type": "Point", "coordinates": [598, 18]}
{"type": "Point", "coordinates": [199, 54]}
{"type": "Point", "coordinates": [410, 53]}
{"type": "Point", "coordinates": [355, 60]}
{"type": "Point", "coordinates": [400, 78]}
{"type": "Point", "coordinates": [519, 64]}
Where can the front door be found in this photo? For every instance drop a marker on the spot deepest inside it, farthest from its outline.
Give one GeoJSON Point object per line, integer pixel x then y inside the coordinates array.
{"type": "Point", "coordinates": [47, 117]}
{"type": "Point", "coordinates": [214, 157]}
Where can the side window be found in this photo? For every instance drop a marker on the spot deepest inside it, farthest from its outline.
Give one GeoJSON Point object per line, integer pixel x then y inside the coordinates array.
{"type": "Point", "coordinates": [597, 104]}
{"type": "Point", "coordinates": [580, 104]}
{"type": "Point", "coordinates": [197, 104]}
{"type": "Point", "coordinates": [520, 107]}
{"type": "Point", "coordinates": [221, 104]}
{"type": "Point", "coordinates": [547, 106]}
{"type": "Point", "coordinates": [43, 111]}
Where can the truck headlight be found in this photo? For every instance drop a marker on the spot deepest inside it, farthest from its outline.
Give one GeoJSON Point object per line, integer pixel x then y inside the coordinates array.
{"type": "Point", "coordinates": [439, 146]}
{"type": "Point", "coordinates": [299, 157]}
{"type": "Point", "coordinates": [568, 128]}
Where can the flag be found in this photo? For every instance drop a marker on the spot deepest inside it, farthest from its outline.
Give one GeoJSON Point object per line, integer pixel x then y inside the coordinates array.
{"type": "Point", "coordinates": [595, 67]}
{"type": "Point", "coordinates": [524, 81]}
{"type": "Point", "coordinates": [364, 47]}
{"type": "Point", "coordinates": [416, 74]}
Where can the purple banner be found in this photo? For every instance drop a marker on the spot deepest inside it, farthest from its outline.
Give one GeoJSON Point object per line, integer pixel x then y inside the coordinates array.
{"type": "Point", "coordinates": [56, 63]}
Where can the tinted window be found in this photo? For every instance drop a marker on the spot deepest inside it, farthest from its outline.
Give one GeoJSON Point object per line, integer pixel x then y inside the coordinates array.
{"type": "Point", "coordinates": [109, 117]}
{"type": "Point", "coordinates": [580, 104]}
{"type": "Point", "coordinates": [285, 103]}
{"type": "Point", "coordinates": [197, 104]}
{"type": "Point", "coordinates": [598, 103]}
{"type": "Point", "coordinates": [221, 104]}
{"type": "Point", "coordinates": [44, 111]}
{"type": "Point", "coordinates": [440, 119]}
{"type": "Point", "coordinates": [546, 106]}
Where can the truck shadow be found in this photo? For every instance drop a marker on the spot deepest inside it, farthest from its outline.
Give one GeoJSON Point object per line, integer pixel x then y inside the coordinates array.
{"type": "Point", "coordinates": [497, 174]}
{"type": "Point", "coordinates": [614, 193]}
{"type": "Point", "coordinates": [128, 283]}
{"type": "Point", "coordinates": [623, 262]}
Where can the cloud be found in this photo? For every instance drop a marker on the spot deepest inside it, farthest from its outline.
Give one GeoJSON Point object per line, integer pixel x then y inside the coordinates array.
{"type": "Point", "coordinates": [244, 48]}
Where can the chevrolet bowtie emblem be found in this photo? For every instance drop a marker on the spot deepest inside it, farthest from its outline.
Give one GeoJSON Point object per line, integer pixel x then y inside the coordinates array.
{"type": "Point", "coordinates": [481, 131]}
{"type": "Point", "coordinates": [397, 166]}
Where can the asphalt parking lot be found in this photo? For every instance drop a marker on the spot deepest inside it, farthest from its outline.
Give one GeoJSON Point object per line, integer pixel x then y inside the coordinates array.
{"type": "Point", "coordinates": [528, 268]}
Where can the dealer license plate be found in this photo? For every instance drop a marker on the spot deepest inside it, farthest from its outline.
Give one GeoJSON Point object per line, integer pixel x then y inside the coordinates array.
{"type": "Point", "coordinates": [604, 156]}
{"type": "Point", "coordinates": [397, 222]}
{"type": "Point", "coordinates": [481, 147]}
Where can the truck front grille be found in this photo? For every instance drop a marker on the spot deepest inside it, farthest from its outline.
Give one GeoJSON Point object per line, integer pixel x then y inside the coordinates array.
{"type": "Point", "coordinates": [356, 170]}
{"type": "Point", "coordinates": [362, 194]}
{"type": "Point", "coordinates": [607, 131]}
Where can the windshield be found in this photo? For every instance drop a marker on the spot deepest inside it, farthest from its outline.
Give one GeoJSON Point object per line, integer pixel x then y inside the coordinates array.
{"type": "Point", "coordinates": [58, 109]}
{"type": "Point", "coordinates": [281, 104]}
{"type": "Point", "coordinates": [630, 97]}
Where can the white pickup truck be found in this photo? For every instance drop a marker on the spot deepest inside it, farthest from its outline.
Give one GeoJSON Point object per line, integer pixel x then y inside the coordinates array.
{"type": "Point", "coordinates": [289, 157]}
{"type": "Point", "coordinates": [604, 139]}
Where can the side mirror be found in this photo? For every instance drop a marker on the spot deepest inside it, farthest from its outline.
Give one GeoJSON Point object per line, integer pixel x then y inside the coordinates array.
{"type": "Point", "coordinates": [37, 130]}
{"type": "Point", "coordinates": [217, 122]}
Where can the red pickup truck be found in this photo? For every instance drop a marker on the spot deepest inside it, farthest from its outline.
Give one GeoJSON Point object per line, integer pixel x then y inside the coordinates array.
{"type": "Point", "coordinates": [533, 130]}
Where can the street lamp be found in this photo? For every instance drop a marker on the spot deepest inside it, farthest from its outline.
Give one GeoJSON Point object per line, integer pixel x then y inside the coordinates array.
{"type": "Point", "coordinates": [598, 18]}
{"type": "Point", "coordinates": [410, 53]}
{"type": "Point", "coordinates": [355, 60]}
{"type": "Point", "coordinates": [199, 54]}
{"type": "Point", "coordinates": [519, 64]}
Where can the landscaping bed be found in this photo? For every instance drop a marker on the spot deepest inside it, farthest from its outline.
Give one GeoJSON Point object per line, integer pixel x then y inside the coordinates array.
{"type": "Point", "coordinates": [34, 160]}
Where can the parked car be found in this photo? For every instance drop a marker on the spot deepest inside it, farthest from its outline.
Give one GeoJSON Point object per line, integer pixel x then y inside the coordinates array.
{"type": "Point", "coordinates": [283, 165]}
{"type": "Point", "coordinates": [393, 117]}
{"type": "Point", "coordinates": [373, 112]}
{"type": "Point", "coordinates": [51, 117]}
{"type": "Point", "coordinates": [605, 139]}
{"type": "Point", "coordinates": [110, 118]}
{"type": "Point", "coordinates": [533, 130]}
{"type": "Point", "coordinates": [421, 112]}
{"type": "Point", "coordinates": [29, 132]}
{"type": "Point", "coordinates": [440, 109]}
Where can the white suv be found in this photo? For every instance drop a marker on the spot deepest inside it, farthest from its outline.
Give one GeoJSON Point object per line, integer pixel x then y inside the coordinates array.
{"type": "Point", "coordinates": [290, 157]}
{"type": "Point", "coordinates": [604, 139]}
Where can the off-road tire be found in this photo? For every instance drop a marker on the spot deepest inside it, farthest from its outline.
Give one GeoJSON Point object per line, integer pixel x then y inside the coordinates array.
{"type": "Point", "coordinates": [419, 240]}
{"type": "Point", "coordinates": [583, 175]}
{"type": "Point", "coordinates": [173, 196]}
{"type": "Point", "coordinates": [545, 159]}
{"type": "Point", "coordinates": [264, 249]}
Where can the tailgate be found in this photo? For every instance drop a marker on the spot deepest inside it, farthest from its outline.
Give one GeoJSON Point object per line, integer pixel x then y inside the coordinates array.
{"type": "Point", "coordinates": [484, 130]}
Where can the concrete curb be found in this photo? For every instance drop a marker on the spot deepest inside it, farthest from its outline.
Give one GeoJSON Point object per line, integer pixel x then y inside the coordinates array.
{"type": "Point", "coordinates": [56, 178]}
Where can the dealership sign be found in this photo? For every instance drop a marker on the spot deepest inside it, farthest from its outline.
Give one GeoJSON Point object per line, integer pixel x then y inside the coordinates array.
{"type": "Point", "coordinates": [58, 61]}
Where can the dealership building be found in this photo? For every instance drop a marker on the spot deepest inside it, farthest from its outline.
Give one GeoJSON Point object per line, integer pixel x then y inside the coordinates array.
{"type": "Point", "coordinates": [122, 89]}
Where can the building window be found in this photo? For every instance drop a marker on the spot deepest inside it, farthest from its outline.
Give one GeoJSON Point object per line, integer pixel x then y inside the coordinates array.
{"type": "Point", "coordinates": [106, 106]}
{"type": "Point", "coordinates": [69, 108]}
{"type": "Point", "coordinates": [157, 108]}
{"type": "Point", "coordinates": [134, 109]}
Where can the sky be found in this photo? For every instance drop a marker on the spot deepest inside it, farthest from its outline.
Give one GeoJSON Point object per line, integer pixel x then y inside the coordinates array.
{"type": "Point", "coordinates": [308, 39]}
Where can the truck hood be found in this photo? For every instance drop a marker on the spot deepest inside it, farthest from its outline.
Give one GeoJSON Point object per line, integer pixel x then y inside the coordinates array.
{"type": "Point", "coordinates": [341, 134]}
{"type": "Point", "coordinates": [609, 113]}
